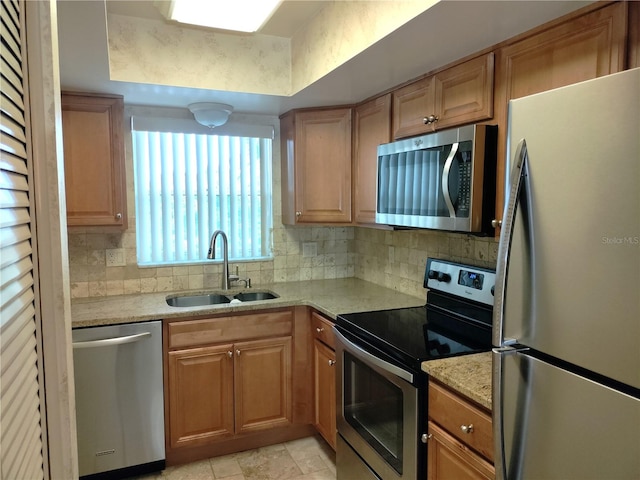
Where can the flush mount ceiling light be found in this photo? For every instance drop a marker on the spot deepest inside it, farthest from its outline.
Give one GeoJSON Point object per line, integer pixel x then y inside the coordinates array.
{"type": "Point", "coordinates": [238, 15]}
{"type": "Point", "coordinates": [211, 114]}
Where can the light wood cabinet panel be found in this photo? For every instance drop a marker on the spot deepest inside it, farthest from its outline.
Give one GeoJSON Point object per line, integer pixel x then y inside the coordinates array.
{"type": "Point", "coordinates": [316, 166]}
{"type": "Point", "coordinates": [455, 96]}
{"type": "Point", "coordinates": [465, 421]}
{"type": "Point", "coordinates": [94, 160]}
{"type": "Point", "coordinates": [322, 329]}
{"type": "Point", "coordinates": [372, 127]}
{"type": "Point", "coordinates": [324, 359]}
{"type": "Point", "coordinates": [191, 333]}
{"type": "Point", "coordinates": [449, 459]}
{"type": "Point", "coordinates": [200, 395]}
{"type": "Point", "coordinates": [583, 48]}
{"type": "Point", "coordinates": [263, 384]}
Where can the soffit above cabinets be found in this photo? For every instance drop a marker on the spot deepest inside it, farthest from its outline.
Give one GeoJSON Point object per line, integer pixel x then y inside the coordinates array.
{"type": "Point", "coordinates": [454, 28]}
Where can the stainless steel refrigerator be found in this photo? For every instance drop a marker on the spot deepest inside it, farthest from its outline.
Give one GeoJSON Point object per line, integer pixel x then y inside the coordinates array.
{"type": "Point", "coordinates": [567, 302]}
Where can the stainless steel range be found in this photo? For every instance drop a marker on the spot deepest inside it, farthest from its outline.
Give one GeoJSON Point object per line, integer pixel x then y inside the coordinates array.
{"type": "Point", "coordinates": [382, 391]}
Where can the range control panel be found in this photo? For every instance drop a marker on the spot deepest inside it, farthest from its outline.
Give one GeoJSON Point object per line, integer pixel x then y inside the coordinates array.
{"type": "Point", "coordinates": [465, 281]}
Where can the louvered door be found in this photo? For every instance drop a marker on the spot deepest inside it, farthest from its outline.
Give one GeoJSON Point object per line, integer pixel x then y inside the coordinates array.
{"type": "Point", "coordinates": [20, 402]}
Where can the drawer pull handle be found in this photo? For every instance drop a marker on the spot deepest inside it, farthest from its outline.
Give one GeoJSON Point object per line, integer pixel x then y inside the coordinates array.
{"type": "Point", "coordinates": [467, 428]}
{"type": "Point", "coordinates": [319, 329]}
{"type": "Point", "coordinates": [332, 363]}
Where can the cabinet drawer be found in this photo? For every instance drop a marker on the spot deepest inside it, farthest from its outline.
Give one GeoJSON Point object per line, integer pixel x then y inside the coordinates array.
{"type": "Point", "coordinates": [453, 413]}
{"type": "Point", "coordinates": [189, 333]}
{"type": "Point", "coordinates": [322, 329]}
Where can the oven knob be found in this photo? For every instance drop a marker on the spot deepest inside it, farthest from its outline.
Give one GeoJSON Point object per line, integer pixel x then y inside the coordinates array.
{"type": "Point", "coordinates": [444, 277]}
{"type": "Point", "coordinates": [432, 274]}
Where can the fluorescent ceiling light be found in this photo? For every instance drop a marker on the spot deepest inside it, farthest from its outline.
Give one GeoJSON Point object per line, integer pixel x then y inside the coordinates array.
{"type": "Point", "coordinates": [238, 15]}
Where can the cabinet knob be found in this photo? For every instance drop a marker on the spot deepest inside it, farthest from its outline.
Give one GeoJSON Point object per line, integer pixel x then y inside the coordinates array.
{"type": "Point", "coordinates": [430, 119]}
{"type": "Point", "coordinates": [319, 329]}
{"type": "Point", "coordinates": [332, 363]}
{"type": "Point", "coordinates": [496, 223]}
{"type": "Point", "coordinates": [238, 353]}
{"type": "Point", "coordinates": [298, 214]}
{"type": "Point", "coordinates": [467, 428]}
{"type": "Point", "coordinates": [425, 437]}
{"type": "Point", "coordinates": [118, 216]}
{"type": "Point", "coordinates": [230, 354]}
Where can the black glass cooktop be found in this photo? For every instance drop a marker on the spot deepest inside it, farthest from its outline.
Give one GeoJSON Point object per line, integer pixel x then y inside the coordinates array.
{"type": "Point", "coordinates": [414, 335]}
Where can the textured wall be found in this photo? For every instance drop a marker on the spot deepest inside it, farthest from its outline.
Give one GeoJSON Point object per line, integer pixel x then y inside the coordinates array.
{"type": "Point", "coordinates": [341, 30]}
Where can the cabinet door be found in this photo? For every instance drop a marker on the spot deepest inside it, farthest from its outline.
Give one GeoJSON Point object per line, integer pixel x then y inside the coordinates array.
{"type": "Point", "coordinates": [464, 93]}
{"type": "Point", "coordinates": [372, 128]}
{"type": "Point", "coordinates": [449, 459]}
{"type": "Point", "coordinates": [324, 360]}
{"type": "Point", "coordinates": [94, 160]}
{"type": "Point", "coordinates": [580, 49]}
{"type": "Point", "coordinates": [411, 104]}
{"type": "Point", "coordinates": [262, 384]}
{"type": "Point", "coordinates": [316, 166]}
{"type": "Point", "coordinates": [200, 395]}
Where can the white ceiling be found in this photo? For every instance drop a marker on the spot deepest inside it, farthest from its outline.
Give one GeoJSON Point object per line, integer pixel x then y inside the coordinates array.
{"type": "Point", "coordinates": [447, 31]}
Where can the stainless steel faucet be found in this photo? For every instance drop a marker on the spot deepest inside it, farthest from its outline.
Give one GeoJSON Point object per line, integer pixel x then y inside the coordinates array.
{"type": "Point", "coordinates": [226, 278]}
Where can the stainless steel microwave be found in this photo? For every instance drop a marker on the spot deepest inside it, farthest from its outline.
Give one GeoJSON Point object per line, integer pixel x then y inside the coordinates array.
{"type": "Point", "coordinates": [443, 180]}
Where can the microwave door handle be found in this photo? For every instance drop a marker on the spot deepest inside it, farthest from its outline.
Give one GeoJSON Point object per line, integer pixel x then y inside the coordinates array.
{"type": "Point", "coordinates": [517, 182]}
{"type": "Point", "coordinates": [445, 180]}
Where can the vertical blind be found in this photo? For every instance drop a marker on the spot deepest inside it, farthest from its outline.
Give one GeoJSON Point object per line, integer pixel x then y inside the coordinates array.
{"type": "Point", "coordinates": [189, 185]}
{"type": "Point", "coordinates": [21, 443]}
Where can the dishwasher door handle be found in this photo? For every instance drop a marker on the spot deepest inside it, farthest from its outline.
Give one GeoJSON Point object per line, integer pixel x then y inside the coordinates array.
{"type": "Point", "coordinates": [108, 342]}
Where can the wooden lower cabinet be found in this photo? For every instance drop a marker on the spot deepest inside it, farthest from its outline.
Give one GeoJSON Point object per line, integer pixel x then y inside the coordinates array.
{"type": "Point", "coordinates": [450, 459]}
{"type": "Point", "coordinates": [324, 359]}
{"type": "Point", "coordinates": [460, 437]}
{"type": "Point", "coordinates": [235, 382]}
{"type": "Point", "coordinates": [262, 380]}
{"type": "Point", "coordinates": [218, 391]}
{"type": "Point", "coordinates": [324, 377]}
{"type": "Point", "coordinates": [200, 395]}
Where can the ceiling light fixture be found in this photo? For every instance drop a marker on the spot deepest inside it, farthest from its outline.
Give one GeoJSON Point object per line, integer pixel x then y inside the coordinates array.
{"type": "Point", "coordinates": [237, 15]}
{"type": "Point", "coordinates": [211, 114]}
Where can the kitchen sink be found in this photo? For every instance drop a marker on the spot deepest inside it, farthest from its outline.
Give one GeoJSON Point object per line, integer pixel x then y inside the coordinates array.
{"type": "Point", "coordinates": [218, 298]}
{"type": "Point", "coordinates": [253, 296]}
{"type": "Point", "coordinates": [198, 300]}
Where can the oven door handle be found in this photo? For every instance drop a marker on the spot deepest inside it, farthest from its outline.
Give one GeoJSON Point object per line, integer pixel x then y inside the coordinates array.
{"type": "Point", "coordinates": [365, 356]}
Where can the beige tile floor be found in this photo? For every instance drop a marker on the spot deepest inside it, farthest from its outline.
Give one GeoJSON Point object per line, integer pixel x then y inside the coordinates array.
{"type": "Point", "coordinates": [304, 459]}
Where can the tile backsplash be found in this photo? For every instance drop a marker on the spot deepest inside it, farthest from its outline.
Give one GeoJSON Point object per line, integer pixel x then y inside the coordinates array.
{"type": "Point", "coordinates": [394, 259]}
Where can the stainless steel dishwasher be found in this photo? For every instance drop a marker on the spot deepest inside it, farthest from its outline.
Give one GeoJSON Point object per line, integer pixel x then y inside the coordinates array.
{"type": "Point", "coordinates": [119, 399]}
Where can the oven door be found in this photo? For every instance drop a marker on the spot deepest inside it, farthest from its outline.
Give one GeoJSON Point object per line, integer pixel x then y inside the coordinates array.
{"type": "Point", "coordinates": [377, 411]}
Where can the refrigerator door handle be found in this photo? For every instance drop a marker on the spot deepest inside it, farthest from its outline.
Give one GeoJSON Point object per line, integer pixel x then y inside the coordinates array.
{"type": "Point", "coordinates": [445, 180]}
{"type": "Point", "coordinates": [517, 181]}
{"type": "Point", "coordinates": [498, 355]}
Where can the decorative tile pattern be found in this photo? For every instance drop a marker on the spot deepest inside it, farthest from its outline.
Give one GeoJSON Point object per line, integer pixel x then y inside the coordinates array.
{"type": "Point", "coordinates": [304, 459]}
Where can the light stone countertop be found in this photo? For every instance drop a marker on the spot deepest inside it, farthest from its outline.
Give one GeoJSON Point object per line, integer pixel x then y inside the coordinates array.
{"type": "Point", "coordinates": [469, 375]}
{"type": "Point", "coordinates": [331, 297]}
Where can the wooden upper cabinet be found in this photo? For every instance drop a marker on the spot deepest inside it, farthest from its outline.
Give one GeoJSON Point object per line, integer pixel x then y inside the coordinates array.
{"type": "Point", "coordinates": [455, 96]}
{"type": "Point", "coordinates": [585, 47]}
{"type": "Point", "coordinates": [316, 166]}
{"type": "Point", "coordinates": [372, 127]}
{"type": "Point", "coordinates": [94, 160]}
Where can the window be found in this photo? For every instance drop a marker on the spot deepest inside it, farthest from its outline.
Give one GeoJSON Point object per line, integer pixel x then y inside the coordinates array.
{"type": "Point", "coordinates": [187, 185]}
